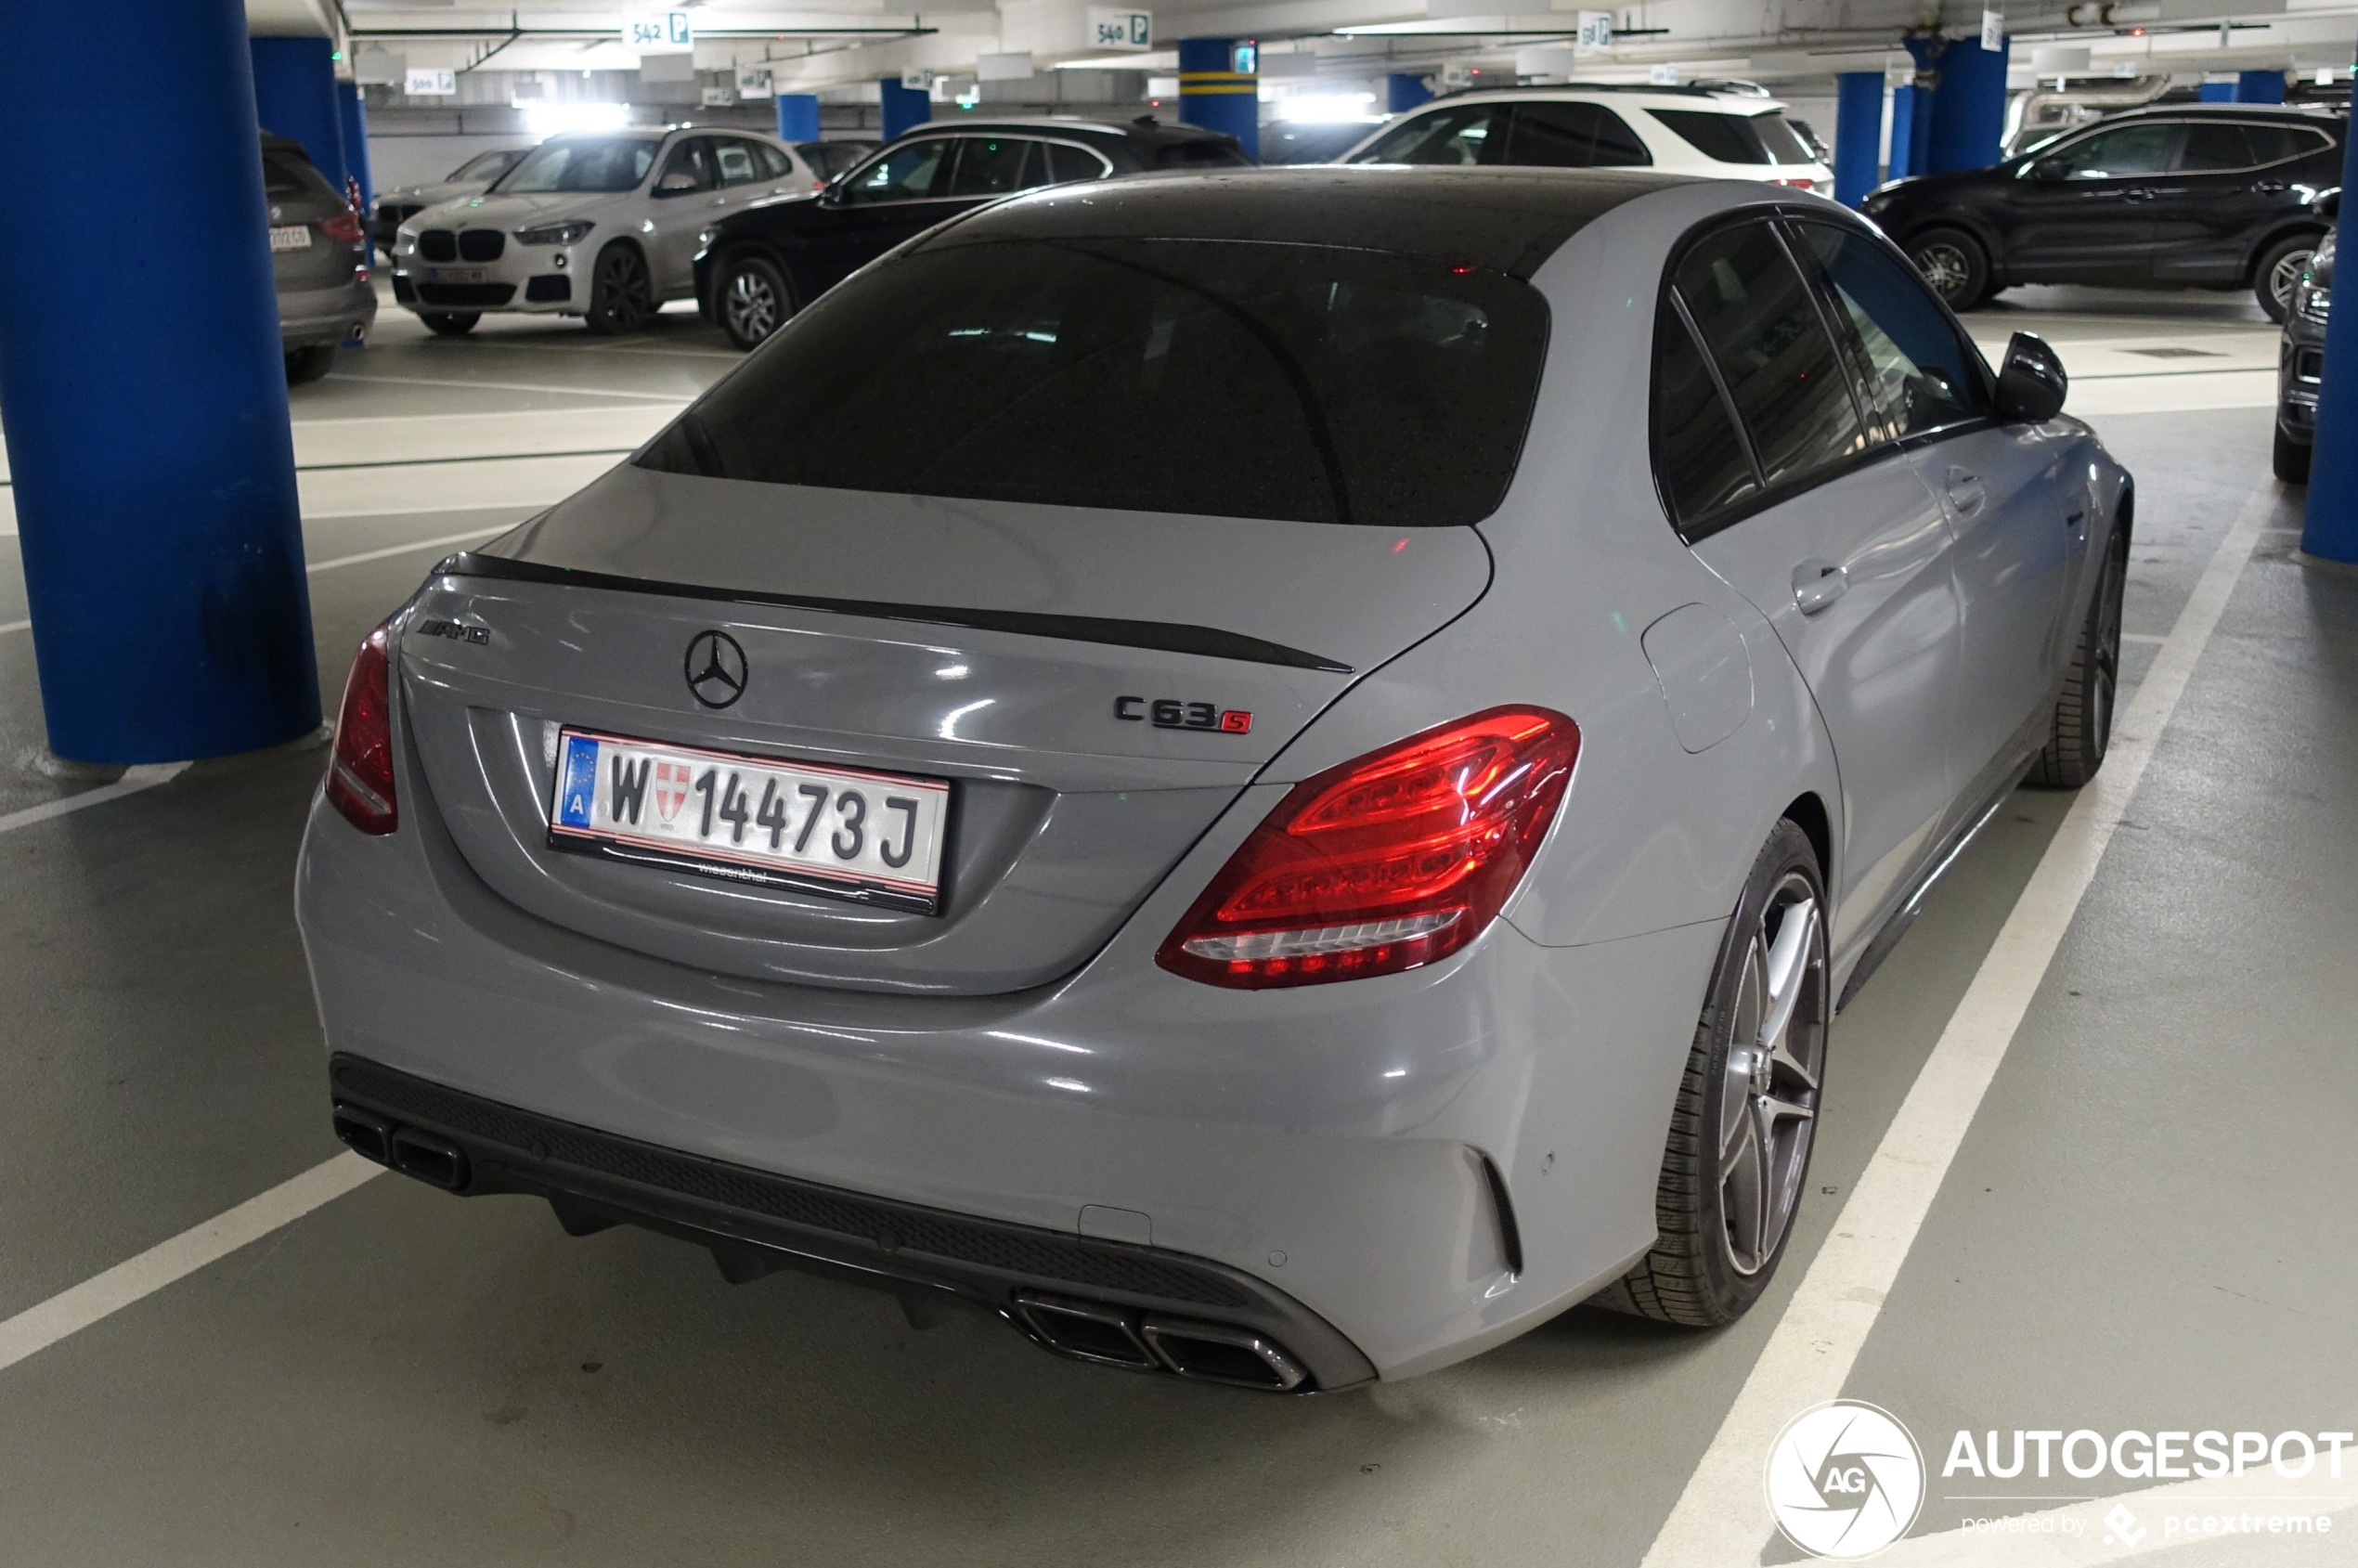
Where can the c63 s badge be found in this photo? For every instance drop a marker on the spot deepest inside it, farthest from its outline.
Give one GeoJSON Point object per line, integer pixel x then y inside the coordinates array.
{"type": "Point", "coordinates": [1166, 713]}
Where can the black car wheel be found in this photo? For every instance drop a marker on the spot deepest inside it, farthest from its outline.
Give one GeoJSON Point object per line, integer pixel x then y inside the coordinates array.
{"type": "Point", "coordinates": [1734, 1169]}
{"type": "Point", "coordinates": [2291, 459]}
{"type": "Point", "coordinates": [753, 298]}
{"type": "Point", "coordinates": [449, 323]}
{"type": "Point", "coordinates": [2279, 271]}
{"type": "Point", "coordinates": [1954, 264]}
{"type": "Point", "coordinates": [622, 297]}
{"type": "Point", "coordinates": [310, 363]}
{"type": "Point", "coordinates": [2081, 731]}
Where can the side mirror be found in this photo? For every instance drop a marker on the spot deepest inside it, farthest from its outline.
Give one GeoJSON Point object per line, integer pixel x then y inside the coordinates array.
{"type": "Point", "coordinates": [2031, 383]}
{"type": "Point", "coordinates": [678, 182]}
{"type": "Point", "coordinates": [2048, 169]}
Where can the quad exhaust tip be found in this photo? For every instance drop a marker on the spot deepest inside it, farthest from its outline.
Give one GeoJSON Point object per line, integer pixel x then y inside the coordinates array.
{"type": "Point", "coordinates": [1204, 1353]}
{"type": "Point", "coordinates": [436, 1162]}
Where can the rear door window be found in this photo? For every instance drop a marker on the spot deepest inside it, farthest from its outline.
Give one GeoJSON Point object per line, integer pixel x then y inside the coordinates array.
{"type": "Point", "coordinates": [1701, 463]}
{"type": "Point", "coordinates": [994, 166]}
{"type": "Point", "coordinates": [1268, 381]}
{"type": "Point", "coordinates": [1920, 374]}
{"type": "Point", "coordinates": [737, 162]}
{"type": "Point", "coordinates": [2149, 148]}
{"type": "Point", "coordinates": [1760, 325]}
{"type": "Point", "coordinates": [1462, 135]}
{"type": "Point", "coordinates": [1573, 135]}
{"type": "Point", "coordinates": [1067, 163]}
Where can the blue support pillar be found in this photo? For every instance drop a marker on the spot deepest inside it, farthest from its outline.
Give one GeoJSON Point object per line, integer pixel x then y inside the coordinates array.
{"type": "Point", "coordinates": [2330, 530]}
{"type": "Point", "coordinates": [1215, 93]}
{"type": "Point", "coordinates": [2259, 86]}
{"type": "Point", "coordinates": [1910, 128]}
{"type": "Point", "coordinates": [2216, 92]}
{"type": "Point", "coordinates": [798, 116]}
{"type": "Point", "coordinates": [1964, 124]}
{"type": "Point", "coordinates": [906, 109]}
{"type": "Point", "coordinates": [1404, 92]}
{"type": "Point", "coordinates": [1858, 135]}
{"type": "Point", "coordinates": [145, 397]}
{"type": "Point", "coordinates": [295, 95]}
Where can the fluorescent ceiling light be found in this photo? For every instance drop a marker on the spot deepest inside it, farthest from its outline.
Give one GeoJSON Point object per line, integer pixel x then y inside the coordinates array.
{"type": "Point", "coordinates": [1326, 107]}
{"type": "Point", "coordinates": [549, 119]}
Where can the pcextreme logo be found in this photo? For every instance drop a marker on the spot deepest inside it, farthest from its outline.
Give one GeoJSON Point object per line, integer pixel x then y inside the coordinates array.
{"type": "Point", "coordinates": [1845, 1480]}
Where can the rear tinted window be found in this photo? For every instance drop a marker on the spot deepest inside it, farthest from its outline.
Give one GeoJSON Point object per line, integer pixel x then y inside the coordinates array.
{"type": "Point", "coordinates": [1268, 381]}
{"type": "Point", "coordinates": [290, 173]}
{"type": "Point", "coordinates": [1736, 138]}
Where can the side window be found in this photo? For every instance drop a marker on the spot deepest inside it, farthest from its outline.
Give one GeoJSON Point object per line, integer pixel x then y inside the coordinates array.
{"type": "Point", "coordinates": [1762, 330]}
{"type": "Point", "coordinates": [990, 167]}
{"type": "Point", "coordinates": [1556, 136]}
{"type": "Point", "coordinates": [2146, 149]}
{"type": "Point", "coordinates": [775, 164]}
{"type": "Point", "coordinates": [1618, 146]}
{"type": "Point", "coordinates": [2214, 148]}
{"type": "Point", "coordinates": [1921, 375]}
{"type": "Point", "coordinates": [734, 162]}
{"type": "Point", "coordinates": [2274, 144]}
{"type": "Point", "coordinates": [692, 158]}
{"type": "Point", "coordinates": [1461, 135]}
{"type": "Point", "coordinates": [909, 173]}
{"type": "Point", "coordinates": [1700, 461]}
{"type": "Point", "coordinates": [1067, 164]}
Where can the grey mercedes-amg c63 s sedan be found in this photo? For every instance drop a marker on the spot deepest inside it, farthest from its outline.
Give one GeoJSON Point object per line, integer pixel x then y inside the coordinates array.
{"type": "Point", "coordinates": [1275, 776]}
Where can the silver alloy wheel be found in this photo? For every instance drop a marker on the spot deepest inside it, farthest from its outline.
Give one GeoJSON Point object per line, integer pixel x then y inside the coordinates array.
{"type": "Point", "coordinates": [1776, 1055]}
{"type": "Point", "coordinates": [1944, 267]}
{"type": "Point", "coordinates": [2285, 275]}
{"type": "Point", "coordinates": [752, 306]}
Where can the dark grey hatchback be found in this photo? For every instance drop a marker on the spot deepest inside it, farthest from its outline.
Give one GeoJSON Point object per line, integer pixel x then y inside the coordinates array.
{"type": "Point", "coordinates": [2216, 196]}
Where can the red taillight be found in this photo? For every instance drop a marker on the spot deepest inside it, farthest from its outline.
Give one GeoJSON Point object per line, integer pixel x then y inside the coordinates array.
{"type": "Point", "coordinates": [360, 767]}
{"type": "Point", "coordinates": [344, 225]}
{"type": "Point", "coordinates": [1384, 863]}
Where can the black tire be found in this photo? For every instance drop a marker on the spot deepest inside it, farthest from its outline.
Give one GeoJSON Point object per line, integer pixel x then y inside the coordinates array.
{"type": "Point", "coordinates": [450, 323]}
{"type": "Point", "coordinates": [2279, 267]}
{"type": "Point", "coordinates": [1710, 1259]}
{"type": "Point", "coordinates": [751, 298]}
{"type": "Point", "coordinates": [1954, 264]}
{"type": "Point", "coordinates": [2082, 725]}
{"type": "Point", "coordinates": [622, 297]}
{"type": "Point", "coordinates": [310, 362]}
{"type": "Point", "coordinates": [2291, 458]}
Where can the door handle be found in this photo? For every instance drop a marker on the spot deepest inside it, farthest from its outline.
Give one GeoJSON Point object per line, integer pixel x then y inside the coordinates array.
{"type": "Point", "coordinates": [1965, 492]}
{"type": "Point", "coordinates": [2139, 193]}
{"type": "Point", "coordinates": [2269, 188]}
{"type": "Point", "coordinates": [1817, 584]}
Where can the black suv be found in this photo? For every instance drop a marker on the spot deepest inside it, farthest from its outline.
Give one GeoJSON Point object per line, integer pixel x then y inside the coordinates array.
{"type": "Point", "coordinates": [2218, 196]}
{"type": "Point", "coordinates": [758, 266]}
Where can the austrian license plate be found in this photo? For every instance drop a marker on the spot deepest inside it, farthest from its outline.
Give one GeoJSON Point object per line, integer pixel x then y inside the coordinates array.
{"type": "Point", "coordinates": [290, 237]}
{"type": "Point", "coordinates": [871, 838]}
{"type": "Point", "coordinates": [457, 275]}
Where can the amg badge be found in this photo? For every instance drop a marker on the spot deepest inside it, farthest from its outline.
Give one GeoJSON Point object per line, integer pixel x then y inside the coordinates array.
{"type": "Point", "coordinates": [1164, 713]}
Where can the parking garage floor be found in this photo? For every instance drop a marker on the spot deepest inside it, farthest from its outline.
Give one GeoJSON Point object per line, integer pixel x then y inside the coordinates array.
{"type": "Point", "coordinates": [2129, 1211]}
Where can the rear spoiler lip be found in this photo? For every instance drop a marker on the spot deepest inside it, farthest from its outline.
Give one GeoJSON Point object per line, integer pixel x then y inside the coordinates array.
{"type": "Point", "coordinates": [1163, 636]}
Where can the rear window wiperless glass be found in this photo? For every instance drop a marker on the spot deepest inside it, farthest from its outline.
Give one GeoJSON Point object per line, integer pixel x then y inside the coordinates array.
{"type": "Point", "coordinates": [1736, 138]}
{"type": "Point", "coordinates": [1271, 380]}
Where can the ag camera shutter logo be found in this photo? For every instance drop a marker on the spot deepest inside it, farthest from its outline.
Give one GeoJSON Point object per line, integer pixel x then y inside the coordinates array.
{"type": "Point", "coordinates": [1845, 1480]}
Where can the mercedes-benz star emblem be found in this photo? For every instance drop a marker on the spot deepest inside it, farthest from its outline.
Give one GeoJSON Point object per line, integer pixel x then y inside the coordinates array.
{"type": "Point", "coordinates": [716, 668]}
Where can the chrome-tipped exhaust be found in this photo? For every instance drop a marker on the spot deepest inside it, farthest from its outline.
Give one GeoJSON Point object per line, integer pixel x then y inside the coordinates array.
{"type": "Point", "coordinates": [1213, 1353]}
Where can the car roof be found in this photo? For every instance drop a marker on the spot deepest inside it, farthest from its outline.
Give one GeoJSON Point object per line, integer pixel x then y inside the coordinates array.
{"type": "Point", "coordinates": [1143, 129]}
{"type": "Point", "coordinates": [2293, 112]}
{"type": "Point", "coordinates": [1724, 100]}
{"type": "Point", "coordinates": [1506, 219]}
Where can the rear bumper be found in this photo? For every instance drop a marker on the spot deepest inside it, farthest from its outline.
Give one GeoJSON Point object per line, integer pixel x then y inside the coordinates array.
{"type": "Point", "coordinates": [1428, 1164]}
{"type": "Point", "coordinates": [755, 1222]}
{"type": "Point", "coordinates": [332, 315]}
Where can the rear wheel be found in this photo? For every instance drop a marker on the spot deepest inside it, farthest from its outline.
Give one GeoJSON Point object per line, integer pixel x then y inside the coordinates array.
{"type": "Point", "coordinates": [2280, 267]}
{"type": "Point", "coordinates": [2082, 730]}
{"type": "Point", "coordinates": [622, 297]}
{"type": "Point", "coordinates": [1747, 1115]}
{"type": "Point", "coordinates": [310, 362]}
{"type": "Point", "coordinates": [449, 323]}
{"type": "Point", "coordinates": [1954, 264]}
{"type": "Point", "coordinates": [2291, 459]}
{"type": "Point", "coordinates": [754, 299]}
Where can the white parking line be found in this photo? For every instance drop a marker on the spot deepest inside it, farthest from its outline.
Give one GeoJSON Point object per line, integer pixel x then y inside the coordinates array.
{"type": "Point", "coordinates": [442, 542]}
{"type": "Point", "coordinates": [640, 397]}
{"type": "Point", "coordinates": [1720, 1520]}
{"type": "Point", "coordinates": [147, 775]}
{"type": "Point", "coordinates": [69, 1312]}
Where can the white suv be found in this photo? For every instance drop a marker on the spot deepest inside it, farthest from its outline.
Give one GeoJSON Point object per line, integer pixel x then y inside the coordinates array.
{"type": "Point", "coordinates": [1725, 133]}
{"type": "Point", "coordinates": [602, 225]}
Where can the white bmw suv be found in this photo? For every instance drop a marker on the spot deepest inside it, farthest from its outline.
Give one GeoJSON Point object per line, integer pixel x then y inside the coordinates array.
{"type": "Point", "coordinates": [599, 225]}
{"type": "Point", "coordinates": [1723, 132]}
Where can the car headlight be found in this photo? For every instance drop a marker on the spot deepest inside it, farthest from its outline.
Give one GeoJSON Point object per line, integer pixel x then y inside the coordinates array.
{"type": "Point", "coordinates": [405, 242]}
{"type": "Point", "coordinates": [2312, 299]}
{"type": "Point", "coordinates": [567, 233]}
